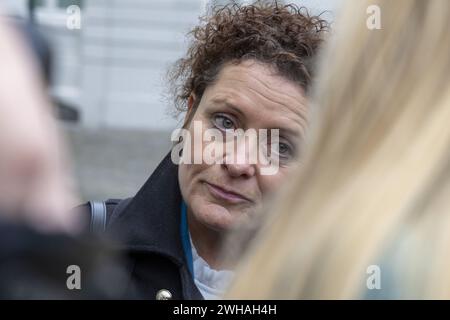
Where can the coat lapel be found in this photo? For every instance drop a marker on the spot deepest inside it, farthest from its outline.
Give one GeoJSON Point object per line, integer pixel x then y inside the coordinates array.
{"type": "Point", "coordinates": [151, 219]}
{"type": "Point", "coordinates": [151, 222]}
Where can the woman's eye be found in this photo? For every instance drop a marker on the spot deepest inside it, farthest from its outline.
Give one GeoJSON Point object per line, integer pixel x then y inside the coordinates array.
{"type": "Point", "coordinates": [284, 151]}
{"type": "Point", "coordinates": [283, 148]}
{"type": "Point", "coordinates": [224, 123]}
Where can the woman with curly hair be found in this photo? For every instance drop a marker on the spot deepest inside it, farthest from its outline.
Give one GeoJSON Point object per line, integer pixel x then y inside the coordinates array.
{"type": "Point", "coordinates": [247, 67]}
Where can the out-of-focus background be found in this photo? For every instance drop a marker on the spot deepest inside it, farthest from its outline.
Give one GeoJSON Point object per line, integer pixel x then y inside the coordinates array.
{"type": "Point", "coordinates": [109, 60]}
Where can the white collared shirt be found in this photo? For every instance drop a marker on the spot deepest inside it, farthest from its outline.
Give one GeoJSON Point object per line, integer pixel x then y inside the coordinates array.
{"type": "Point", "coordinates": [211, 283]}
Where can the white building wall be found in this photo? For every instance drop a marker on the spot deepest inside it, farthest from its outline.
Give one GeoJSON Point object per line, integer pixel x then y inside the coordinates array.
{"type": "Point", "coordinates": [127, 47]}
{"type": "Point", "coordinates": [113, 68]}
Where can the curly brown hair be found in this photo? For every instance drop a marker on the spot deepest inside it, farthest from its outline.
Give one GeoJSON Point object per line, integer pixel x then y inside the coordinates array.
{"type": "Point", "coordinates": [286, 37]}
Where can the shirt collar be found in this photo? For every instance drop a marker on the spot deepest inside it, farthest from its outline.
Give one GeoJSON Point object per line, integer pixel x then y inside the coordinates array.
{"type": "Point", "coordinates": [212, 283]}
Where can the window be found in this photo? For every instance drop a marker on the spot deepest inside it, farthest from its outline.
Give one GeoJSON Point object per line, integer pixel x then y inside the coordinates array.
{"type": "Point", "coordinates": [55, 4]}
{"type": "Point", "coordinates": [51, 12]}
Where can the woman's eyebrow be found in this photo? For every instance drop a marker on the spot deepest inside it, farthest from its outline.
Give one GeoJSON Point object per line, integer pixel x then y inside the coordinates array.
{"type": "Point", "coordinates": [287, 133]}
{"type": "Point", "coordinates": [229, 105]}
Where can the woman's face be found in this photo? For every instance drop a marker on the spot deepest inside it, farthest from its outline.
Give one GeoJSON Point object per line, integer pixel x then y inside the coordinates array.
{"type": "Point", "coordinates": [246, 95]}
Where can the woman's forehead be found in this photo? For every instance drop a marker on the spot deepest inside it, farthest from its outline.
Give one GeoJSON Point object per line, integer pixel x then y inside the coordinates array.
{"type": "Point", "coordinates": [258, 95]}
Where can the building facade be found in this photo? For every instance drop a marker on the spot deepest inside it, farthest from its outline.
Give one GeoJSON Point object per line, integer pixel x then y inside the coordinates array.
{"type": "Point", "coordinates": [110, 57]}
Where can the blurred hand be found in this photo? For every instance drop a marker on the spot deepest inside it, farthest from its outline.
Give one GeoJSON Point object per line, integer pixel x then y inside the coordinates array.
{"type": "Point", "coordinates": [35, 186]}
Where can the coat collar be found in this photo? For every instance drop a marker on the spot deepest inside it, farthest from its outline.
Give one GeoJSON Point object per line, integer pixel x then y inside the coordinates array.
{"type": "Point", "coordinates": [151, 220]}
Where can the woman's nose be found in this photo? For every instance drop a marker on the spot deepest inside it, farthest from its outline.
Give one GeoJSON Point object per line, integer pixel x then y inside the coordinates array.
{"type": "Point", "coordinates": [237, 170]}
{"type": "Point", "coordinates": [244, 159]}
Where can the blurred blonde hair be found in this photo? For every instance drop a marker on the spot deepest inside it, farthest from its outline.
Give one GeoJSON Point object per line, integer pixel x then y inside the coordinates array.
{"type": "Point", "coordinates": [378, 169]}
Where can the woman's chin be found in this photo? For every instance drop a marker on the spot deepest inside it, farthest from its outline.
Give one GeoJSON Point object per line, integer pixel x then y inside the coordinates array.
{"type": "Point", "coordinates": [217, 217]}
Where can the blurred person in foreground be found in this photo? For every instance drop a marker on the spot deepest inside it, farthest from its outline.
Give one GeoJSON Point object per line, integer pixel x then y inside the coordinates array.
{"type": "Point", "coordinates": [247, 67]}
{"type": "Point", "coordinates": [38, 250]}
{"type": "Point", "coordinates": [375, 186]}
{"type": "Point", "coordinates": [35, 181]}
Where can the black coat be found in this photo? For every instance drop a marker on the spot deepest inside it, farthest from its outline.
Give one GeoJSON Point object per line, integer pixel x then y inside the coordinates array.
{"type": "Point", "coordinates": [147, 227]}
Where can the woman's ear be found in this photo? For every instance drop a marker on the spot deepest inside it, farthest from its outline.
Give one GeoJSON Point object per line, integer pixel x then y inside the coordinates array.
{"type": "Point", "coordinates": [191, 102]}
{"type": "Point", "coordinates": [189, 113]}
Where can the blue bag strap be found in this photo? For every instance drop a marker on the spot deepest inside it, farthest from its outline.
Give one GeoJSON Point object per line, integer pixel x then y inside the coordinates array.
{"type": "Point", "coordinates": [186, 241]}
{"type": "Point", "coordinates": [98, 216]}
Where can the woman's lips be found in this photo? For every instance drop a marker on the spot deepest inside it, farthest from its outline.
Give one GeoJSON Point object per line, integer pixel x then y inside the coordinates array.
{"type": "Point", "coordinates": [223, 194]}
